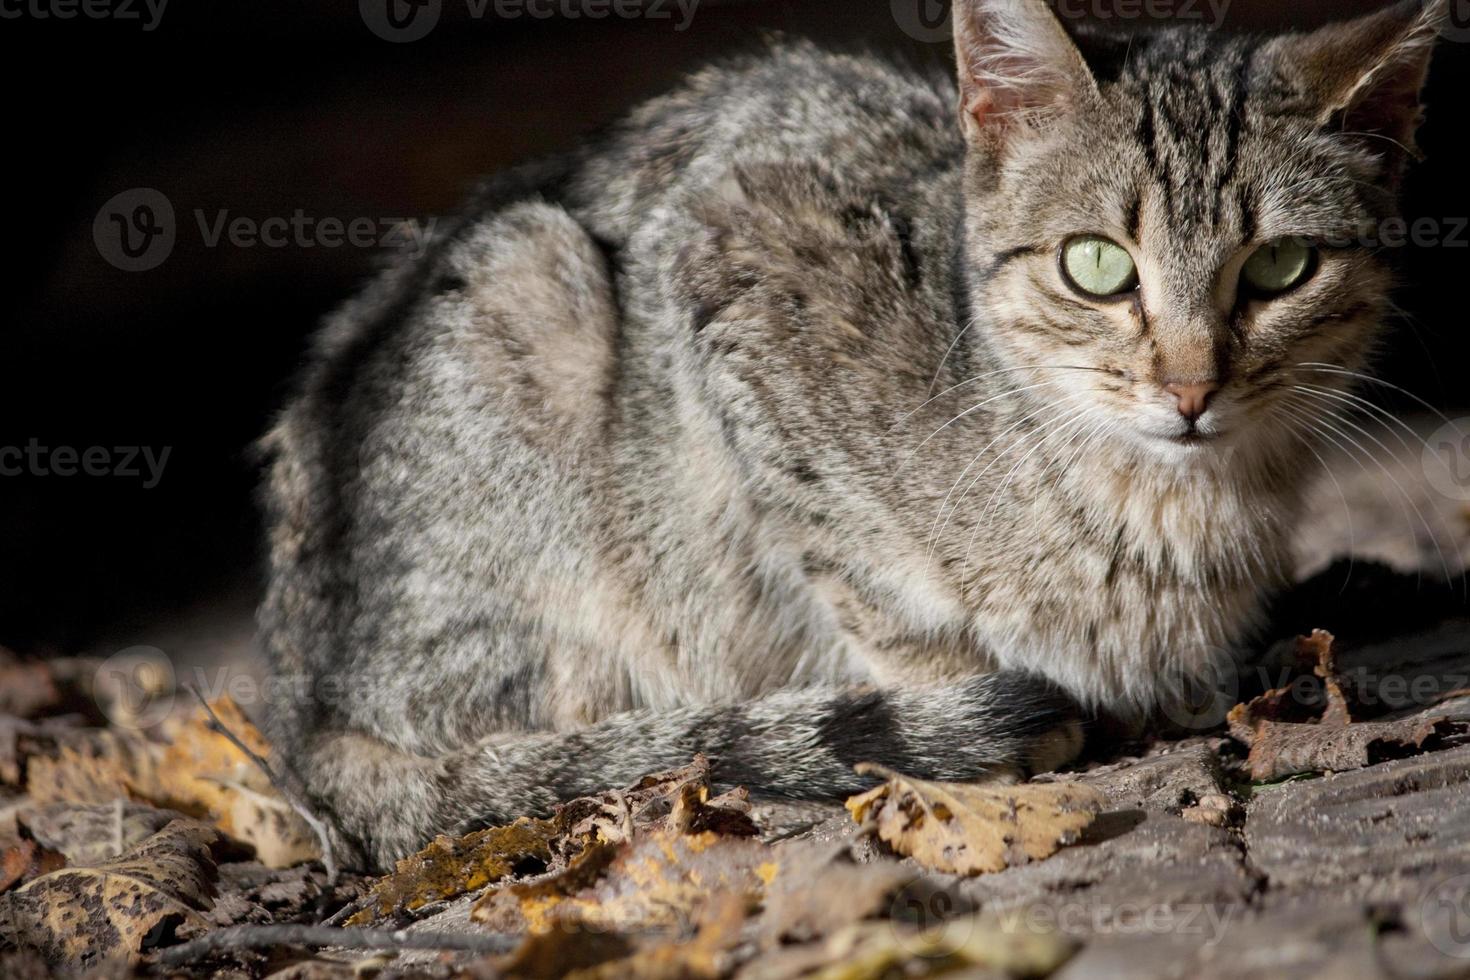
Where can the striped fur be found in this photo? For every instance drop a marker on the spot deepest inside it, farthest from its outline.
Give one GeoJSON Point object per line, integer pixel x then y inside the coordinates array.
{"type": "Point", "coordinates": [758, 429]}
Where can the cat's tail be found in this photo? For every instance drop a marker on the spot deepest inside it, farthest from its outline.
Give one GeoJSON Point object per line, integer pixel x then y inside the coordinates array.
{"type": "Point", "coordinates": [800, 743]}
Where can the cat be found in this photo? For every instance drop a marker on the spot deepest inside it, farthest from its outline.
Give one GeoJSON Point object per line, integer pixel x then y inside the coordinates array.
{"type": "Point", "coordinates": [828, 411]}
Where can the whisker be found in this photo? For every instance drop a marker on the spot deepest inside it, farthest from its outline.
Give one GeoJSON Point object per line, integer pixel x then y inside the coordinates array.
{"type": "Point", "coordinates": [1075, 419]}
{"type": "Point", "coordinates": [938, 531]}
{"type": "Point", "coordinates": [1347, 510]}
{"type": "Point", "coordinates": [989, 374]}
{"type": "Point", "coordinates": [1339, 417]}
{"type": "Point", "coordinates": [1338, 369]}
{"type": "Point", "coordinates": [1404, 494]}
{"type": "Point", "coordinates": [969, 411]}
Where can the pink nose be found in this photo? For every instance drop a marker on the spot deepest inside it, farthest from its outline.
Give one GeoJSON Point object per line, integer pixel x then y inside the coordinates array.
{"type": "Point", "coordinates": [1193, 398]}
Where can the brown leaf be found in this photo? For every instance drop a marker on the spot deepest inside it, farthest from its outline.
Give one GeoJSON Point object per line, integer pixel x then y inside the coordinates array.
{"type": "Point", "coordinates": [581, 953]}
{"type": "Point", "coordinates": [26, 860]}
{"type": "Point", "coordinates": [658, 881]}
{"type": "Point", "coordinates": [80, 916]}
{"type": "Point", "coordinates": [20, 739]}
{"type": "Point", "coordinates": [92, 833]}
{"type": "Point", "coordinates": [1288, 735]}
{"type": "Point", "coordinates": [27, 688]}
{"type": "Point", "coordinates": [577, 845]}
{"type": "Point", "coordinates": [196, 770]}
{"type": "Point", "coordinates": [96, 767]}
{"type": "Point", "coordinates": [798, 904]}
{"type": "Point", "coordinates": [976, 946]}
{"type": "Point", "coordinates": [969, 829]}
{"type": "Point", "coordinates": [678, 798]}
{"type": "Point", "coordinates": [450, 867]}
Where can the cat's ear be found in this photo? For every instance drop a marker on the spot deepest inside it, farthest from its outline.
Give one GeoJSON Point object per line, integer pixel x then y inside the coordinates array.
{"type": "Point", "coordinates": [1017, 67]}
{"type": "Point", "coordinates": [1366, 76]}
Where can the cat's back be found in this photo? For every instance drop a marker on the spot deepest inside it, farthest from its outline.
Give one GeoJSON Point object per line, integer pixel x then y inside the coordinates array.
{"type": "Point", "coordinates": [879, 122]}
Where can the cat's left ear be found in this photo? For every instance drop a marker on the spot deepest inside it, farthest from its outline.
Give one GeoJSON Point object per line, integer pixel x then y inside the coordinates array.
{"type": "Point", "coordinates": [1366, 76]}
{"type": "Point", "coordinates": [1017, 68]}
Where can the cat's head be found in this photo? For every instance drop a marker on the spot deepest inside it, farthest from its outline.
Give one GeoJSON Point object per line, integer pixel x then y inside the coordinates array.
{"type": "Point", "coordinates": [1186, 216]}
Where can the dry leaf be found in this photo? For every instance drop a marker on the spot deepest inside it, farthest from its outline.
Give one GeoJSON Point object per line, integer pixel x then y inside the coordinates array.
{"type": "Point", "coordinates": [877, 951]}
{"type": "Point", "coordinates": [450, 867]}
{"type": "Point", "coordinates": [1288, 734]}
{"type": "Point", "coordinates": [798, 903]}
{"type": "Point", "coordinates": [265, 821]}
{"type": "Point", "coordinates": [27, 688]}
{"type": "Point", "coordinates": [582, 953]}
{"type": "Point", "coordinates": [96, 767]}
{"type": "Point", "coordinates": [26, 860]}
{"type": "Point", "coordinates": [82, 915]}
{"type": "Point", "coordinates": [679, 798]}
{"type": "Point", "coordinates": [92, 833]}
{"type": "Point", "coordinates": [969, 829]}
{"type": "Point", "coordinates": [661, 880]}
{"type": "Point", "coordinates": [196, 771]}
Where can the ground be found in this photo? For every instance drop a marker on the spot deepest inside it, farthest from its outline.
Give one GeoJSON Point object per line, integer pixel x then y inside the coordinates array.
{"type": "Point", "coordinates": [1322, 831]}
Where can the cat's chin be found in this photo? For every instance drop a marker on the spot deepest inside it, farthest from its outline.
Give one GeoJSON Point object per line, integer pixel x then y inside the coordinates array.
{"type": "Point", "coordinates": [1179, 448]}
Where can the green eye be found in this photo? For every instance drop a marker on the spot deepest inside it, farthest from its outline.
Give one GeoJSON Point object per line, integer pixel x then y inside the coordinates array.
{"type": "Point", "coordinates": [1279, 266]}
{"type": "Point", "coordinates": [1098, 267]}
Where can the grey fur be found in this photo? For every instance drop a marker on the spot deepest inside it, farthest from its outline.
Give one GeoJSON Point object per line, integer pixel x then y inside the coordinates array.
{"type": "Point", "coordinates": [641, 459]}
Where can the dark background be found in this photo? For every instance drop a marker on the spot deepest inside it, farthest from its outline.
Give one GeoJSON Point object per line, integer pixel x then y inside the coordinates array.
{"type": "Point", "coordinates": [264, 107]}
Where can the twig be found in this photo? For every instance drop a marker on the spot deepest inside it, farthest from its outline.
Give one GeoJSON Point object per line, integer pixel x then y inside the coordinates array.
{"type": "Point", "coordinates": [316, 824]}
{"type": "Point", "coordinates": [349, 910]}
{"type": "Point", "coordinates": [264, 937]}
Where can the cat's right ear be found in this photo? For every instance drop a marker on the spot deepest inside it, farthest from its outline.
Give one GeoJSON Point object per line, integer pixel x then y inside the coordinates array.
{"type": "Point", "coordinates": [1018, 68]}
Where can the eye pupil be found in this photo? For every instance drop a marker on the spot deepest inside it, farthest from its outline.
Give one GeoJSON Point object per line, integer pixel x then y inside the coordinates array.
{"type": "Point", "coordinates": [1279, 267]}
{"type": "Point", "coordinates": [1097, 267]}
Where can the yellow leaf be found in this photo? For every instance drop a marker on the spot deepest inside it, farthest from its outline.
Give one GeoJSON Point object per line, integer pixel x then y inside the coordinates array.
{"type": "Point", "coordinates": [83, 915]}
{"type": "Point", "coordinates": [450, 867]}
{"type": "Point", "coordinates": [195, 770]}
{"type": "Point", "coordinates": [970, 829]}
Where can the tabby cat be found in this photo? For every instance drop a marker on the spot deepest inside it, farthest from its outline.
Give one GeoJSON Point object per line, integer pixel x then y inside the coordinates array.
{"type": "Point", "coordinates": [826, 411]}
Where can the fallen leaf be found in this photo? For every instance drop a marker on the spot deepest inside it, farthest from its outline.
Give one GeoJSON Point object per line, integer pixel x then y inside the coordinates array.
{"type": "Point", "coordinates": [1288, 733]}
{"type": "Point", "coordinates": [265, 821]}
{"type": "Point", "coordinates": [454, 866]}
{"type": "Point", "coordinates": [581, 953]}
{"type": "Point", "coordinates": [91, 833]}
{"type": "Point", "coordinates": [798, 903]}
{"type": "Point", "coordinates": [876, 951]}
{"type": "Point", "coordinates": [80, 916]}
{"type": "Point", "coordinates": [969, 829]}
{"type": "Point", "coordinates": [659, 881]}
{"type": "Point", "coordinates": [27, 688]}
{"type": "Point", "coordinates": [96, 766]}
{"type": "Point", "coordinates": [26, 860]}
{"type": "Point", "coordinates": [21, 738]}
{"type": "Point", "coordinates": [576, 846]}
{"type": "Point", "coordinates": [195, 770]}
{"type": "Point", "coordinates": [676, 905]}
{"type": "Point", "coordinates": [679, 798]}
